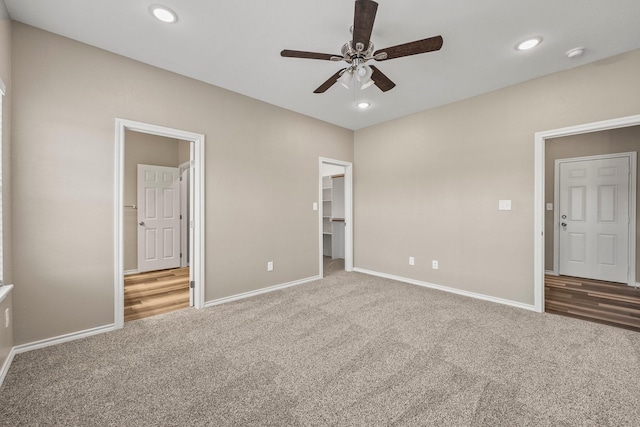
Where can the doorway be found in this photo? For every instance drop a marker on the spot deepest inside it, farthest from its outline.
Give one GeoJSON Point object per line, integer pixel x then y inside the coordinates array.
{"type": "Point", "coordinates": [156, 277]}
{"type": "Point", "coordinates": [194, 220]}
{"type": "Point", "coordinates": [335, 216]}
{"type": "Point", "coordinates": [542, 220]}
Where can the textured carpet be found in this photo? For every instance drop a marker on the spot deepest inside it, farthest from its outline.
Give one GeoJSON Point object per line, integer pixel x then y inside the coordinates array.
{"type": "Point", "coordinates": [347, 350]}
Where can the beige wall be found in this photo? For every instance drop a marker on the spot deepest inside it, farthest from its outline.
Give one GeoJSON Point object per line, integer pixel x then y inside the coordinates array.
{"type": "Point", "coordinates": [622, 140]}
{"type": "Point", "coordinates": [261, 179]}
{"type": "Point", "coordinates": [6, 334]}
{"type": "Point", "coordinates": [142, 148]}
{"type": "Point", "coordinates": [428, 185]}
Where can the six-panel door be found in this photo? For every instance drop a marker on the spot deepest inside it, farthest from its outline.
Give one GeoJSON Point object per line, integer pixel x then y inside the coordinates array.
{"type": "Point", "coordinates": [594, 219]}
{"type": "Point", "coordinates": [158, 218]}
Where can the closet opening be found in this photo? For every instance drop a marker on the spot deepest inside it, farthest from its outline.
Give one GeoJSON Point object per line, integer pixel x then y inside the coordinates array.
{"type": "Point", "coordinates": [336, 228]}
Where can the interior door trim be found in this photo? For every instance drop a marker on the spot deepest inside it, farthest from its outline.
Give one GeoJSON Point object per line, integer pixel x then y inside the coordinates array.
{"type": "Point", "coordinates": [197, 270]}
{"type": "Point", "coordinates": [538, 191]}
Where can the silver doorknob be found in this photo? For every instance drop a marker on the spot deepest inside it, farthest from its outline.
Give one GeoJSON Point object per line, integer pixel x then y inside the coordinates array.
{"type": "Point", "coordinates": [141, 223]}
{"type": "Point", "coordinates": [564, 224]}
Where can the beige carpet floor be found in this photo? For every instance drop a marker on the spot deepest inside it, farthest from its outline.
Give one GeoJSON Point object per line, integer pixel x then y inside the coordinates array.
{"type": "Point", "coordinates": [349, 350]}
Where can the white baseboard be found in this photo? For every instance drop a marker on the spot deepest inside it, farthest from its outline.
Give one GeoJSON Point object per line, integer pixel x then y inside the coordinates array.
{"type": "Point", "coordinates": [128, 272]}
{"type": "Point", "coordinates": [448, 289]}
{"type": "Point", "coordinates": [7, 364]}
{"type": "Point", "coordinates": [259, 291]}
{"type": "Point", "coordinates": [63, 338]}
{"type": "Point", "coordinates": [48, 342]}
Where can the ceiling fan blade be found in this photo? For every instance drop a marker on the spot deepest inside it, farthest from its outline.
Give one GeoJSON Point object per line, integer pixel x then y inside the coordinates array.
{"type": "Point", "coordinates": [379, 79]}
{"type": "Point", "coordinates": [364, 17]}
{"type": "Point", "coordinates": [413, 48]}
{"type": "Point", "coordinates": [330, 81]}
{"type": "Point", "coordinates": [308, 55]}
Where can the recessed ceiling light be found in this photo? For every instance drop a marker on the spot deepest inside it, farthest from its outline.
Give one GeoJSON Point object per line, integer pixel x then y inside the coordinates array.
{"type": "Point", "coordinates": [529, 43]}
{"type": "Point", "coordinates": [363, 105]}
{"type": "Point", "coordinates": [163, 13]}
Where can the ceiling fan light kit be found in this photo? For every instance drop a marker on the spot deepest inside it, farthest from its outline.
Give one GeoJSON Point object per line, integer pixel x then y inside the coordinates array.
{"type": "Point", "coordinates": [345, 79]}
{"type": "Point", "coordinates": [357, 52]}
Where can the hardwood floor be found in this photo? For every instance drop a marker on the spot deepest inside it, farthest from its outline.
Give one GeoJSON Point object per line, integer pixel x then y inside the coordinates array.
{"type": "Point", "coordinates": [603, 302]}
{"type": "Point", "coordinates": [155, 292]}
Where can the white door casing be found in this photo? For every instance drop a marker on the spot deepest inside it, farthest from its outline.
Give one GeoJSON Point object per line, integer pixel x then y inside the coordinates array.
{"type": "Point", "coordinates": [196, 213]}
{"type": "Point", "coordinates": [184, 214]}
{"type": "Point", "coordinates": [593, 217]}
{"type": "Point", "coordinates": [539, 201]}
{"type": "Point", "coordinates": [186, 231]}
{"type": "Point", "coordinates": [158, 217]}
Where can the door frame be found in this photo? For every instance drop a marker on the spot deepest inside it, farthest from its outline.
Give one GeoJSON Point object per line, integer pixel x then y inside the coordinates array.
{"type": "Point", "coordinates": [185, 189]}
{"type": "Point", "coordinates": [631, 254]}
{"type": "Point", "coordinates": [538, 192]}
{"type": "Point", "coordinates": [348, 212]}
{"type": "Point", "coordinates": [197, 271]}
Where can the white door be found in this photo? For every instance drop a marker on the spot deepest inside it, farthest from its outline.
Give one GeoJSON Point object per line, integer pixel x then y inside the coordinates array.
{"type": "Point", "coordinates": [594, 219]}
{"type": "Point", "coordinates": [158, 218]}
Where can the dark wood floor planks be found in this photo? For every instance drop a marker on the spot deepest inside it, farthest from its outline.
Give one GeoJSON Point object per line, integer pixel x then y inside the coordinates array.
{"type": "Point", "coordinates": [604, 302]}
{"type": "Point", "coordinates": [155, 292]}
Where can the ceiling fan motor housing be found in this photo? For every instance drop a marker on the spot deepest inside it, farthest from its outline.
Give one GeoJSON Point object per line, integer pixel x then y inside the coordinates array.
{"type": "Point", "coordinates": [349, 53]}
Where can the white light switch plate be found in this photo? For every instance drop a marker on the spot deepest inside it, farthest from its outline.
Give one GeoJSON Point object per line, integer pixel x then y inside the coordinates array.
{"type": "Point", "coordinates": [549, 206]}
{"type": "Point", "coordinates": [315, 206]}
{"type": "Point", "coordinates": [504, 205]}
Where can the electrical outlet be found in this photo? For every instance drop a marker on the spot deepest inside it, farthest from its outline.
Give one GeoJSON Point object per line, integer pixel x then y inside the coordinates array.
{"type": "Point", "coordinates": [270, 266]}
{"type": "Point", "coordinates": [6, 318]}
{"type": "Point", "coordinates": [434, 264]}
{"type": "Point", "coordinates": [412, 261]}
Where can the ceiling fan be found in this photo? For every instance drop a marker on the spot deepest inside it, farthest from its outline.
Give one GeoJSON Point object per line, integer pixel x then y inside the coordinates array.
{"type": "Point", "coordinates": [360, 50]}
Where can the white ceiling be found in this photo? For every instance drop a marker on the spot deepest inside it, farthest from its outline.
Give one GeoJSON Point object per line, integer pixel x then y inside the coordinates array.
{"type": "Point", "coordinates": [236, 45]}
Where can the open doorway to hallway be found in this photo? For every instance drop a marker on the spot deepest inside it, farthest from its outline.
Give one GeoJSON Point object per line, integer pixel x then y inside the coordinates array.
{"type": "Point", "coordinates": [155, 232]}
{"type": "Point", "coordinates": [196, 210]}
{"type": "Point", "coordinates": [590, 240]}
